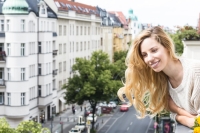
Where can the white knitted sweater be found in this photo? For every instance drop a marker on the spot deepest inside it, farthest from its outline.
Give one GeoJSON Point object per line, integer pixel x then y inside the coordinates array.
{"type": "Point", "coordinates": [187, 94]}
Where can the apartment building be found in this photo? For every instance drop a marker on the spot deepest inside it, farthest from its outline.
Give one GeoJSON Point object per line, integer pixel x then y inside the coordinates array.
{"type": "Point", "coordinates": [79, 34]}
{"type": "Point", "coordinates": [27, 34]}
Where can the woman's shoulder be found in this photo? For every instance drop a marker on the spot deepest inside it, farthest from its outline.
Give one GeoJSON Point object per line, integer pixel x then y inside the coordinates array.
{"type": "Point", "coordinates": [192, 65]}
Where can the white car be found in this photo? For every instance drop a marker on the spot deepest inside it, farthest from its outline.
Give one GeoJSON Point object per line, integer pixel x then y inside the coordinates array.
{"type": "Point", "coordinates": [112, 104]}
{"type": "Point", "coordinates": [90, 117]}
{"type": "Point", "coordinates": [80, 126]}
{"type": "Point", "coordinates": [75, 130]}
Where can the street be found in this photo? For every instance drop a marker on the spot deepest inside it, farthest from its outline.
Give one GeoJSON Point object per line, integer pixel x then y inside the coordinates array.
{"type": "Point", "coordinates": [127, 122]}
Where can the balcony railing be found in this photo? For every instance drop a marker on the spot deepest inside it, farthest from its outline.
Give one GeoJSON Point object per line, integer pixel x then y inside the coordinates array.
{"type": "Point", "coordinates": [2, 56]}
{"type": "Point", "coordinates": [55, 52]}
{"type": "Point", "coordinates": [55, 72]}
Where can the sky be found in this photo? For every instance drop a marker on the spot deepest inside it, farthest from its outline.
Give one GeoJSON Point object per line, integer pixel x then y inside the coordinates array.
{"type": "Point", "coordinates": [163, 12]}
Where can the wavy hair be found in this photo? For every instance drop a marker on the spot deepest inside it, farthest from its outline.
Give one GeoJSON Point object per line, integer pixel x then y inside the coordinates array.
{"type": "Point", "coordinates": [149, 88]}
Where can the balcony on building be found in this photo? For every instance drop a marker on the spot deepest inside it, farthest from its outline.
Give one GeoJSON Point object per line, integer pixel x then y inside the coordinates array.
{"type": "Point", "coordinates": [55, 71]}
{"type": "Point", "coordinates": [44, 101]}
{"type": "Point", "coordinates": [2, 82]}
{"type": "Point", "coordinates": [21, 112]}
{"type": "Point", "coordinates": [2, 56]}
{"type": "Point", "coordinates": [55, 52]}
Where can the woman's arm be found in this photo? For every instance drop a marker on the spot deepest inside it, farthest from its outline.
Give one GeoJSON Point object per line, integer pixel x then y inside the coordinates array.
{"type": "Point", "coordinates": [174, 108]}
{"type": "Point", "coordinates": [186, 121]}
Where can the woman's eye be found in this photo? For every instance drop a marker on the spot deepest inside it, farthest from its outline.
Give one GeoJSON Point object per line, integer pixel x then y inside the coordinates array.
{"type": "Point", "coordinates": [144, 55]}
{"type": "Point", "coordinates": [154, 50]}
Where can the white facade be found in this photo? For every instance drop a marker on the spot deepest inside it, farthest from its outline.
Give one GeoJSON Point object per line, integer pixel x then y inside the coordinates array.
{"type": "Point", "coordinates": [78, 36]}
{"type": "Point", "coordinates": [26, 90]}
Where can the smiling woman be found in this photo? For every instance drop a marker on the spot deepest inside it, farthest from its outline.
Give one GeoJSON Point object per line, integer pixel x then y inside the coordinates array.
{"type": "Point", "coordinates": [171, 83]}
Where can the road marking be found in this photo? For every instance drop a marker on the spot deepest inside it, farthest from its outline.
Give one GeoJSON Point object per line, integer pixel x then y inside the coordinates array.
{"type": "Point", "coordinates": [114, 122]}
{"type": "Point", "coordinates": [148, 126]}
{"type": "Point", "coordinates": [127, 129]}
{"type": "Point", "coordinates": [131, 123]}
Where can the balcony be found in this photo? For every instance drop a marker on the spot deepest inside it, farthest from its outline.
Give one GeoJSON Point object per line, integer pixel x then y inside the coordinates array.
{"type": "Point", "coordinates": [55, 52]}
{"type": "Point", "coordinates": [44, 101]}
{"type": "Point", "coordinates": [55, 72]}
{"type": "Point", "coordinates": [11, 112]}
{"type": "Point", "coordinates": [2, 56]}
{"type": "Point", "coordinates": [2, 82]}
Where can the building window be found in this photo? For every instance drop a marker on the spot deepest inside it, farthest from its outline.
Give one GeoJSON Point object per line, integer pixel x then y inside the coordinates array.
{"type": "Point", "coordinates": [60, 85]}
{"type": "Point", "coordinates": [43, 10]}
{"type": "Point", "coordinates": [88, 45]}
{"type": "Point", "coordinates": [84, 45]}
{"type": "Point", "coordinates": [1, 97]}
{"type": "Point", "coordinates": [22, 25]}
{"type": "Point", "coordinates": [9, 98]}
{"type": "Point", "coordinates": [60, 67]}
{"type": "Point", "coordinates": [81, 31]}
{"type": "Point", "coordinates": [81, 46]}
{"type": "Point", "coordinates": [76, 30]}
{"type": "Point", "coordinates": [22, 73]}
{"type": "Point", "coordinates": [64, 66]}
{"type": "Point", "coordinates": [2, 25]}
{"type": "Point", "coordinates": [88, 30]}
{"type": "Point", "coordinates": [9, 74]}
{"type": "Point", "coordinates": [76, 46]}
{"type": "Point", "coordinates": [22, 49]}
{"type": "Point", "coordinates": [60, 30]}
{"type": "Point", "coordinates": [64, 49]}
{"type": "Point", "coordinates": [60, 48]}
{"type": "Point", "coordinates": [8, 49]}
{"type": "Point", "coordinates": [1, 74]}
{"type": "Point", "coordinates": [23, 98]}
{"type": "Point", "coordinates": [65, 31]}
{"type": "Point", "coordinates": [39, 47]}
{"type": "Point", "coordinates": [39, 69]}
{"type": "Point", "coordinates": [85, 31]}
{"type": "Point", "coordinates": [8, 25]}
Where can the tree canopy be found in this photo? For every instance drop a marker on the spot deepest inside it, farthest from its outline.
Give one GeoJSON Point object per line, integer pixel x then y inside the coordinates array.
{"type": "Point", "coordinates": [23, 127]}
{"type": "Point", "coordinates": [184, 33]}
{"type": "Point", "coordinates": [93, 80]}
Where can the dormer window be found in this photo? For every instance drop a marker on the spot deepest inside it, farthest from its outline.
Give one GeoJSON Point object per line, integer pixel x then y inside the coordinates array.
{"type": "Point", "coordinates": [43, 10]}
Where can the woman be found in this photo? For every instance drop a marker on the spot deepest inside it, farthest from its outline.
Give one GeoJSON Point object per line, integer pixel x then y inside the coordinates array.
{"type": "Point", "coordinates": [157, 76]}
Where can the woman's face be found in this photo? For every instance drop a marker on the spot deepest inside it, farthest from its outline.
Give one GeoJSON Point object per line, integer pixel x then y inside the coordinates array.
{"type": "Point", "coordinates": [154, 54]}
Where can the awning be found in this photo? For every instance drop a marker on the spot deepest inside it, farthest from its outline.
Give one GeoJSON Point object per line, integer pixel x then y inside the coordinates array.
{"type": "Point", "coordinates": [62, 100]}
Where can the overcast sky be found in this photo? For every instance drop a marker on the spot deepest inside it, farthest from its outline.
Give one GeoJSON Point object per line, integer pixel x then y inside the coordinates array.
{"type": "Point", "coordinates": [163, 12]}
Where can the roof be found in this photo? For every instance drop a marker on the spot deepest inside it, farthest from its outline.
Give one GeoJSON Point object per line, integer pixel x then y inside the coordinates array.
{"type": "Point", "coordinates": [115, 19]}
{"type": "Point", "coordinates": [80, 8]}
{"type": "Point", "coordinates": [121, 18]}
{"type": "Point", "coordinates": [33, 7]}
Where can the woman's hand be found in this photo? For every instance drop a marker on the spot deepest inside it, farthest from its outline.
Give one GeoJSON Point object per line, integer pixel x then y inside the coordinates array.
{"type": "Point", "coordinates": [186, 121]}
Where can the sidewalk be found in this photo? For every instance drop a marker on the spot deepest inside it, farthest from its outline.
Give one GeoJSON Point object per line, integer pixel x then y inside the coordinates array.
{"type": "Point", "coordinates": [66, 117]}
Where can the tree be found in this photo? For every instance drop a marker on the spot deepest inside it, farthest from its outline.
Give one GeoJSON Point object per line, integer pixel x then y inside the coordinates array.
{"type": "Point", "coordinates": [23, 127]}
{"type": "Point", "coordinates": [92, 81]}
{"type": "Point", "coordinates": [5, 127]}
{"type": "Point", "coordinates": [31, 127]}
{"type": "Point", "coordinates": [185, 33]}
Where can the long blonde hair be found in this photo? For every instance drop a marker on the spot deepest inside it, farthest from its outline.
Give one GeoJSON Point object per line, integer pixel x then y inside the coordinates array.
{"type": "Point", "coordinates": [149, 88]}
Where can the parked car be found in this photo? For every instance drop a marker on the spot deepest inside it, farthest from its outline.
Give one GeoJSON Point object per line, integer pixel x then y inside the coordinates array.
{"type": "Point", "coordinates": [90, 117]}
{"type": "Point", "coordinates": [124, 107]}
{"type": "Point", "coordinates": [75, 130]}
{"type": "Point", "coordinates": [103, 104]}
{"type": "Point", "coordinates": [112, 104]}
{"type": "Point", "coordinates": [80, 126]}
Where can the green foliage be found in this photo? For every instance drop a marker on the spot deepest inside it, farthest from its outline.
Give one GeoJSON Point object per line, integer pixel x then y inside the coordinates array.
{"type": "Point", "coordinates": [31, 127]}
{"type": "Point", "coordinates": [23, 127]}
{"type": "Point", "coordinates": [185, 33]}
{"type": "Point", "coordinates": [5, 127]}
{"type": "Point", "coordinates": [92, 80]}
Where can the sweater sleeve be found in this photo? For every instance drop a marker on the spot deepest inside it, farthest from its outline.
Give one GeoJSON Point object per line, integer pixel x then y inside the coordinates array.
{"type": "Point", "coordinates": [196, 94]}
